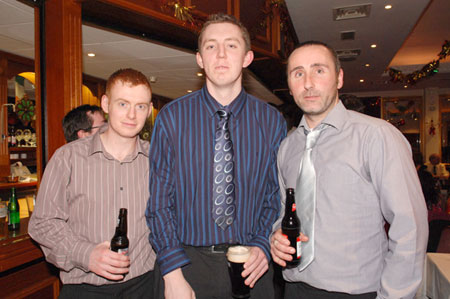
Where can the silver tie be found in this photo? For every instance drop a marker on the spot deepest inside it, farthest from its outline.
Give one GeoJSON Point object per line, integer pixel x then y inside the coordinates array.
{"type": "Point", "coordinates": [305, 197]}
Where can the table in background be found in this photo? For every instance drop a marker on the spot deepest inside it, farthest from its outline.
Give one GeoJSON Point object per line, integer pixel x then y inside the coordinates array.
{"type": "Point", "coordinates": [436, 277]}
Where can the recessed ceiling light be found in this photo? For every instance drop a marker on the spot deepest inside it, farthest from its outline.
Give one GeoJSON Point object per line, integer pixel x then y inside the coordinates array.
{"type": "Point", "coordinates": [91, 54]}
{"type": "Point", "coordinates": [388, 6]}
{"type": "Point", "coordinates": [361, 80]}
{"type": "Point", "coordinates": [199, 74]}
{"type": "Point", "coordinates": [405, 86]}
{"type": "Point", "coordinates": [189, 90]}
{"type": "Point", "coordinates": [367, 65]}
{"type": "Point", "coordinates": [373, 46]}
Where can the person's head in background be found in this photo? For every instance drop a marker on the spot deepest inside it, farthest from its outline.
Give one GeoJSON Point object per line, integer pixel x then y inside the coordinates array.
{"type": "Point", "coordinates": [434, 159]}
{"type": "Point", "coordinates": [82, 121]}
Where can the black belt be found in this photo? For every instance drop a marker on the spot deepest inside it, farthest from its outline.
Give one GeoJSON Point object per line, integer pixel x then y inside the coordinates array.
{"type": "Point", "coordinates": [219, 248]}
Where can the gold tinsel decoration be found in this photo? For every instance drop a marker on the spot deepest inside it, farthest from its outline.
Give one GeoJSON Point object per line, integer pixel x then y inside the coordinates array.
{"type": "Point", "coordinates": [427, 70]}
{"type": "Point", "coordinates": [182, 13]}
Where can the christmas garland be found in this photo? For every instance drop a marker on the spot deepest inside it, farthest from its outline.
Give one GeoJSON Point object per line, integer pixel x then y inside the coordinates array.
{"type": "Point", "coordinates": [427, 70]}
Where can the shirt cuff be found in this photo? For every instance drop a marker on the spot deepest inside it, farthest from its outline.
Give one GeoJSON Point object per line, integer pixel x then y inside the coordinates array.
{"type": "Point", "coordinates": [81, 254]}
{"type": "Point", "coordinates": [262, 243]}
{"type": "Point", "coordinates": [172, 259]}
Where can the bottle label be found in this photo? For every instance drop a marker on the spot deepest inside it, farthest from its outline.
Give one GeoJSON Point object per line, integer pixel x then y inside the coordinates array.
{"type": "Point", "coordinates": [123, 251]}
{"type": "Point", "coordinates": [294, 207]}
{"type": "Point", "coordinates": [299, 248]}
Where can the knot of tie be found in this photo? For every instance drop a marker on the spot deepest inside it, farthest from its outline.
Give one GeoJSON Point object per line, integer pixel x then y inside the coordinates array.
{"type": "Point", "coordinates": [311, 137]}
{"type": "Point", "coordinates": [223, 113]}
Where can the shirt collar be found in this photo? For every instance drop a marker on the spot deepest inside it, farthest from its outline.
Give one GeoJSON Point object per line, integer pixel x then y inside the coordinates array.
{"type": "Point", "coordinates": [96, 146]}
{"type": "Point", "coordinates": [234, 107]}
{"type": "Point", "coordinates": [335, 118]}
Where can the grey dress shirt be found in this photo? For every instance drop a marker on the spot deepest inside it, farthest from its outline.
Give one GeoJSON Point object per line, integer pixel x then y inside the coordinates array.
{"type": "Point", "coordinates": [365, 177]}
{"type": "Point", "coordinates": [78, 203]}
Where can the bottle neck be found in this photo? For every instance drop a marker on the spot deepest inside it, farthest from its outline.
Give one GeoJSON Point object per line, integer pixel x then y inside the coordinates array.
{"type": "Point", "coordinates": [290, 204]}
{"type": "Point", "coordinates": [122, 225]}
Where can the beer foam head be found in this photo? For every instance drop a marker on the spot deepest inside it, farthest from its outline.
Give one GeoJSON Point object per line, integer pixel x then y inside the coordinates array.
{"type": "Point", "coordinates": [238, 254]}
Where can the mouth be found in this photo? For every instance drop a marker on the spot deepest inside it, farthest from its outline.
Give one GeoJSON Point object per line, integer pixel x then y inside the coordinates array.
{"type": "Point", "coordinates": [311, 97]}
{"type": "Point", "coordinates": [130, 125]}
{"type": "Point", "coordinates": [221, 68]}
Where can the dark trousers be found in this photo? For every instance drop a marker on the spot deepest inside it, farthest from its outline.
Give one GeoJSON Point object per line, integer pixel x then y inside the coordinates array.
{"type": "Point", "coordinates": [208, 276]}
{"type": "Point", "coordinates": [138, 287]}
{"type": "Point", "coordinates": [300, 290]}
{"type": "Point", "coordinates": [436, 227]}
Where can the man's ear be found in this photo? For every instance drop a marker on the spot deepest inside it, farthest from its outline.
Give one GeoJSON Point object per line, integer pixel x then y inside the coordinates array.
{"type": "Point", "coordinates": [248, 59]}
{"type": "Point", "coordinates": [199, 58]}
{"type": "Point", "coordinates": [105, 103]}
{"type": "Point", "coordinates": [81, 134]}
{"type": "Point", "coordinates": [150, 109]}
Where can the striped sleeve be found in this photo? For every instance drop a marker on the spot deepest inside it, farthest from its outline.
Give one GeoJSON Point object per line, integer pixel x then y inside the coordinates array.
{"type": "Point", "coordinates": [161, 206]}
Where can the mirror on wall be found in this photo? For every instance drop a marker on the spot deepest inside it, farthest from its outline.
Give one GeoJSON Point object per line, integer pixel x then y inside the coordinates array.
{"type": "Point", "coordinates": [21, 107]}
{"type": "Point", "coordinates": [405, 114]}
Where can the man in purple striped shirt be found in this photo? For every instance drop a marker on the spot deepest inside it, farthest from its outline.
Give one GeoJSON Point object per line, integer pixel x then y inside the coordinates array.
{"type": "Point", "coordinates": [83, 187]}
{"type": "Point", "coordinates": [188, 236]}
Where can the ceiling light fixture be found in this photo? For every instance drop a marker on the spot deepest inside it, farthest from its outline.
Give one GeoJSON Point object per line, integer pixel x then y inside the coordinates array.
{"type": "Point", "coordinates": [367, 65]}
{"type": "Point", "coordinates": [388, 6]}
{"type": "Point", "coordinates": [189, 90]}
{"type": "Point", "coordinates": [199, 74]}
{"type": "Point", "coordinates": [361, 80]}
{"type": "Point", "coordinates": [373, 46]}
{"type": "Point", "coordinates": [91, 54]}
{"type": "Point", "coordinates": [405, 86]}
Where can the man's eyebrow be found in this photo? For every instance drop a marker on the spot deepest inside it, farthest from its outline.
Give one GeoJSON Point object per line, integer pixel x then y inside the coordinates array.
{"type": "Point", "coordinates": [296, 69]}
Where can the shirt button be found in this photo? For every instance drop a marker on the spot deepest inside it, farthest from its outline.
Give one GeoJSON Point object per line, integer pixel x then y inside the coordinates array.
{"type": "Point", "coordinates": [121, 188]}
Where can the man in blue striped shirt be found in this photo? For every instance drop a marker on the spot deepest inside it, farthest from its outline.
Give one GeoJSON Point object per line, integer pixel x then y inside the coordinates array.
{"type": "Point", "coordinates": [189, 244]}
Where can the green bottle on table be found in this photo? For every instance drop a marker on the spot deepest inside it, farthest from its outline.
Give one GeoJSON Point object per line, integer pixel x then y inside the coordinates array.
{"type": "Point", "coordinates": [13, 212]}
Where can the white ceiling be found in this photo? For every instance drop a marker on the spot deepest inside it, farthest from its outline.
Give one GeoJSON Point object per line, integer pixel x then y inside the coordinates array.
{"type": "Point", "coordinates": [407, 36]}
{"type": "Point", "coordinates": [175, 70]}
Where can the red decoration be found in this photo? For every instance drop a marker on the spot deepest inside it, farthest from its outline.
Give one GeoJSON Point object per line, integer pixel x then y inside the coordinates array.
{"type": "Point", "coordinates": [432, 130]}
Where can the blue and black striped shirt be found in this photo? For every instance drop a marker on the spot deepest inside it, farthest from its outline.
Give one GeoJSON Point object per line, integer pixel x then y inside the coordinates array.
{"type": "Point", "coordinates": [179, 210]}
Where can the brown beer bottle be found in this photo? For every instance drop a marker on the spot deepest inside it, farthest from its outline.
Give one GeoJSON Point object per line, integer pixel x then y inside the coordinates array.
{"type": "Point", "coordinates": [119, 243]}
{"type": "Point", "coordinates": [290, 227]}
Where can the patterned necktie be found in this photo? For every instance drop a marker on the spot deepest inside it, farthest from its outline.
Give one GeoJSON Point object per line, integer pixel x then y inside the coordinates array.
{"type": "Point", "coordinates": [223, 193]}
{"type": "Point", "coordinates": [306, 197]}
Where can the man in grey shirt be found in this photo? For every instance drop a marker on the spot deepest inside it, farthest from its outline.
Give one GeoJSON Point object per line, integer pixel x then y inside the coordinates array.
{"type": "Point", "coordinates": [85, 184]}
{"type": "Point", "coordinates": [365, 177]}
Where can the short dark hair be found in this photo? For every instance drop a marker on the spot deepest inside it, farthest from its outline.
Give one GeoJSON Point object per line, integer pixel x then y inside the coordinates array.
{"type": "Point", "coordinates": [128, 75]}
{"type": "Point", "coordinates": [333, 53]}
{"type": "Point", "coordinates": [78, 119]}
{"type": "Point", "coordinates": [224, 18]}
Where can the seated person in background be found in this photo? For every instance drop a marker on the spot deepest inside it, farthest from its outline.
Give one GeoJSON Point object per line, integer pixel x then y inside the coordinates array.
{"type": "Point", "coordinates": [436, 168]}
{"type": "Point", "coordinates": [429, 187]}
{"type": "Point", "coordinates": [82, 121]}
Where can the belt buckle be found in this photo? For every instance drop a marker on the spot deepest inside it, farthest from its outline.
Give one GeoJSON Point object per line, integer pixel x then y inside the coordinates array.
{"type": "Point", "coordinates": [221, 248]}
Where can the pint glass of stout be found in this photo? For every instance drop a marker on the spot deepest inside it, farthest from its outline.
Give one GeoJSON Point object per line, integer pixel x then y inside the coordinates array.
{"type": "Point", "coordinates": [237, 256]}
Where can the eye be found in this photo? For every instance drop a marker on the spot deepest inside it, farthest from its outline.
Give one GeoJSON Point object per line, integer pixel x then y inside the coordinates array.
{"type": "Point", "coordinates": [122, 104]}
{"type": "Point", "coordinates": [141, 106]}
{"type": "Point", "coordinates": [298, 74]}
{"type": "Point", "coordinates": [233, 46]}
{"type": "Point", "coordinates": [320, 71]}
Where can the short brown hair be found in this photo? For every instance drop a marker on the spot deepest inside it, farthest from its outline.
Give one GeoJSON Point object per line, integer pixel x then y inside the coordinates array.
{"type": "Point", "coordinates": [333, 53]}
{"type": "Point", "coordinates": [130, 76]}
{"type": "Point", "coordinates": [224, 18]}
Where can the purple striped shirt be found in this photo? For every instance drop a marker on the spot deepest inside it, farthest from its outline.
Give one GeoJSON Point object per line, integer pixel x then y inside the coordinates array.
{"type": "Point", "coordinates": [181, 175]}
